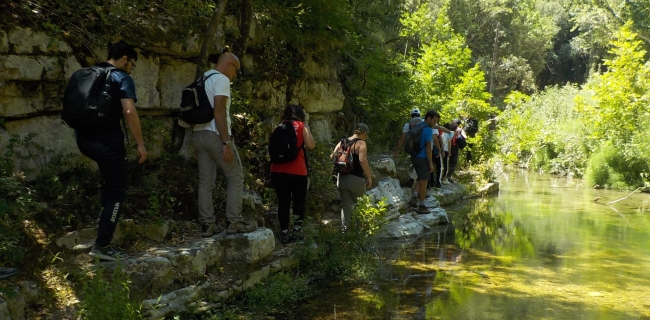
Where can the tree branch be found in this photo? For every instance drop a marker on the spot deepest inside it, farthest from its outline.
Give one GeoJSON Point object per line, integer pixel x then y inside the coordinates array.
{"type": "Point", "coordinates": [202, 63]}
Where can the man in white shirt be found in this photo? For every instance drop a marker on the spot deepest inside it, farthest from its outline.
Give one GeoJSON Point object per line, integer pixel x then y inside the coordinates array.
{"type": "Point", "coordinates": [215, 147]}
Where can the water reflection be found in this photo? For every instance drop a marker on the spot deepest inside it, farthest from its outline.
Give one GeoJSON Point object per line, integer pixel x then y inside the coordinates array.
{"type": "Point", "coordinates": [542, 250]}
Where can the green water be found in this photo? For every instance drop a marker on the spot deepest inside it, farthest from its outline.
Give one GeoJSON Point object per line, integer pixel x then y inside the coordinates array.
{"type": "Point", "coordinates": [542, 249]}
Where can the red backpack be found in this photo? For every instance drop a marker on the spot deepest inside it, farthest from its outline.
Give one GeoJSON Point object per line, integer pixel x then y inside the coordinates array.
{"type": "Point", "coordinates": [343, 160]}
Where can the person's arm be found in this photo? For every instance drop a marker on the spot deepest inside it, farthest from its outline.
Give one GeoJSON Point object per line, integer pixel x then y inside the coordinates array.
{"type": "Point", "coordinates": [307, 138]}
{"type": "Point", "coordinates": [335, 149]}
{"type": "Point", "coordinates": [436, 142]}
{"type": "Point", "coordinates": [363, 160]}
{"type": "Point", "coordinates": [441, 128]}
{"type": "Point", "coordinates": [429, 154]}
{"type": "Point", "coordinates": [133, 122]}
{"type": "Point", "coordinates": [221, 120]}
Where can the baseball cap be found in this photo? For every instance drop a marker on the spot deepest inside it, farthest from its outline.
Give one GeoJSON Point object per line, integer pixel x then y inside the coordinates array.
{"type": "Point", "coordinates": [415, 111]}
{"type": "Point", "coordinates": [363, 128]}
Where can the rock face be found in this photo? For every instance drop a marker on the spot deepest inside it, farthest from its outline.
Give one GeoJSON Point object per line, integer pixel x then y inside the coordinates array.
{"type": "Point", "coordinates": [34, 69]}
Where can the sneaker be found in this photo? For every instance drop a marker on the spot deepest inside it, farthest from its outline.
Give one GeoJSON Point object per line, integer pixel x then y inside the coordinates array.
{"type": "Point", "coordinates": [7, 272]}
{"type": "Point", "coordinates": [208, 229]}
{"type": "Point", "coordinates": [414, 202]}
{"type": "Point", "coordinates": [438, 186]}
{"type": "Point", "coordinates": [241, 227]}
{"type": "Point", "coordinates": [422, 210]}
{"type": "Point", "coordinates": [445, 181]}
{"type": "Point", "coordinates": [451, 180]}
{"type": "Point", "coordinates": [285, 238]}
{"type": "Point", "coordinates": [108, 252]}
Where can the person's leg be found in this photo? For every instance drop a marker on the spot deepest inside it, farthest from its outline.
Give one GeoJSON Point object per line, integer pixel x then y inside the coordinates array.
{"type": "Point", "coordinates": [299, 197]}
{"type": "Point", "coordinates": [282, 186]}
{"type": "Point", "coordinates": [422, 167]}
{"type": "Point", "coordinates": [438, 167]}
{"type": "Point", "coordinates": [347, 202]}
{"type": "Point", "coordinates": [112, 164]}
{"type": "Point", "coordinates": [453, 162]}
{"type": "Point", "coordinates": [207, 176]}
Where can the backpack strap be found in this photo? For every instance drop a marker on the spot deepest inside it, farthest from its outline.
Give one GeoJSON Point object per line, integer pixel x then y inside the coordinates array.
{"type": "Point", "coordinates": [350, 143]}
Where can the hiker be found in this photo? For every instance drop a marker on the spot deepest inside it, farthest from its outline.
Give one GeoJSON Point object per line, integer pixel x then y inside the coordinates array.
{"type": "Point", "coordinates": [457, 142]}
{"type": "Point", "coordinates": [423, 161]}
{"type": "Point", "coordinates": [107, 147]}
{"type": "Point", "coordinates": [435, 177]}
{"type": "Point", "coordinates": [7, 272]}
{"type": "Point", "coordinates": [353, 185]}
{"type": "Point", "coordinates": [415, 120]}
{"type": "Point", "coordinates": [446, 149]}
{"type": "Point", "coordinates": [215, 148]}
{"type": "Point", "coordinates": [290, 178]}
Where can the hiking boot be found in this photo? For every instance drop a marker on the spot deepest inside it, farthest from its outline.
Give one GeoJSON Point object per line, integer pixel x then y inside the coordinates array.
{"type": "Point", "coordinates": [208, 229]}
{"type": "Point", "coordinates": [422, 210]}
{"type": "Point", "coordinates": [241, 227]}
{"type": "Point", "coordinates": [108, 252]}
{"type": "Point", "coordinates": [7, 272]}
{"type": "Point", "coordinates": [414, 202]}
{"type": "Point", "coordinates": [286, 238]}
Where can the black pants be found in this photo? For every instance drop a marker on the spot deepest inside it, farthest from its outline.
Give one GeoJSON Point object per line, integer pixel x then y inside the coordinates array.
{"type": "Point", "coordinates": [290, 187]}
{"type": "Point", "coordinates": [110, 156]}
{"type": "Point", "coordinates": [452, 162]}
{"type": "Point", "coordinates": [436, 176]}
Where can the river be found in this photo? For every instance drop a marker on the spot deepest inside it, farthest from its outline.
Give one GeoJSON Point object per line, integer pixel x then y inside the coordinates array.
{"type": "Point", "coordinates": [545, 248]}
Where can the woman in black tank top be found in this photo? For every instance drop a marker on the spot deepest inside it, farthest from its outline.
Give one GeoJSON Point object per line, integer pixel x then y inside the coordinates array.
{"type": "Point", "coordinates": [354, 184]}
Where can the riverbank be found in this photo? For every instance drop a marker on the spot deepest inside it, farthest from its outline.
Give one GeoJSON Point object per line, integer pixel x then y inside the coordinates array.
{"type": "Point", "coordinates": [171, 271]}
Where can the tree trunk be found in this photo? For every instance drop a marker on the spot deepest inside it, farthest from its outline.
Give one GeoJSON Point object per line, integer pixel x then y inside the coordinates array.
{"type": "Point", "coordinates": [202, 63]}
{"type": "Point", "coordinates": [245, 22]}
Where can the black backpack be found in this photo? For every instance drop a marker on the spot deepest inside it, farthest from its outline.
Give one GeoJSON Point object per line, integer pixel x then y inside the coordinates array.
{"type": "Point", "coordinates": [87, 102]}
{"type": "Point", "coordinates": [283, 144]}
{"type": "Point", "coordinates": [195, 103]}
{"type": "Point", "coordinates": [343, 159]}
{"type": "Point", "coordinates": [413, 139]}
{"type": "Point", "coordinates": [471, 127]}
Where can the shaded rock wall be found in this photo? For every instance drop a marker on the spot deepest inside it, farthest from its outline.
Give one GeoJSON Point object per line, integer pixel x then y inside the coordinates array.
{"type": "Point", "coordinates": [35, 67]}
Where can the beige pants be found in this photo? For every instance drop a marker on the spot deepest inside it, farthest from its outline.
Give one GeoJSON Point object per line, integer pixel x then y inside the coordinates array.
{"type": "Point", "coordinates": [209, 148]}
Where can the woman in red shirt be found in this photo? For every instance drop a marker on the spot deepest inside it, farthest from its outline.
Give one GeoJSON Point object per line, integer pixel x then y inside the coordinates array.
{"type": "Point", "coordinates": [290, 178]}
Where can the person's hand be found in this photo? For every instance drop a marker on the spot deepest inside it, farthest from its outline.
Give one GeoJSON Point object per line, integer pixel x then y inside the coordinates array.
{"type": "Point", "coordinates": [430, 167]}
{"type": "Point", "coordinates": [227, 153]}
{"type": "Point", "coordinates": [368, 182]}
{"type": "Point", "coordinates": [142, 152]}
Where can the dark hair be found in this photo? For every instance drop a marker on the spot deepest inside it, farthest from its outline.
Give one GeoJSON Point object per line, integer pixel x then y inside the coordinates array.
{"type": "Point", "coordinates": [120, 49]}
{"type": "Point", "coordinates": [294, 112]}
{"type": "Point", "coordinates": [448, 126]}
{"type": "Point", "coordinates": [432, 114]}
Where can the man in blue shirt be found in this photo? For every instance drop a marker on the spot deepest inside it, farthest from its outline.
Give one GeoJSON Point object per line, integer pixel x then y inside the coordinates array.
{"type": "Point", "coordinates": [423, 161]}
{"type": "Point", "coordinates": [107, 148]}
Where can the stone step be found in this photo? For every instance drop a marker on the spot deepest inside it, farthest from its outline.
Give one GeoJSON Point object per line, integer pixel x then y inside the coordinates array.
{"type": "Point", "coordinates": [163, 267]}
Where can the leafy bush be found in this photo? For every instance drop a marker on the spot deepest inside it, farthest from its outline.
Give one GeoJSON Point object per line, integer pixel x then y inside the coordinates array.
{"type": "Point", "coordinates": [106, 296]}
{"type": "Point", "coordinates": [280, 289]}
{"type": "Point", "coordinates": [608, 169]}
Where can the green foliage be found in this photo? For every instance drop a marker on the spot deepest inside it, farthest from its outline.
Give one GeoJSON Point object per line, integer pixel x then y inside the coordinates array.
{"type": "Point", "coordinates": [280, 289]}
{"type": "Point", "coordinates": [352, 254]}
{"type": "Point", "coordinates": [106, 296]}
{"type": "Point", "coordinates": [542, 132]}
{"type": "Point", "coordinates": [607, 169]}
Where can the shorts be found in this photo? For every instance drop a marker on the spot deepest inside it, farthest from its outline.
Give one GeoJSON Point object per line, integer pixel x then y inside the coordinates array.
{"type": "Point", "coordinates": [421, 167]}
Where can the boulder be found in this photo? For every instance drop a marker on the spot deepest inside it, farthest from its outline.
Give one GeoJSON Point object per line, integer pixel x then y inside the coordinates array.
{"type": "Point", "coordinates": [70, 66]}
{"type": "Point", "coordinates": [404, 227]}
{"type": "Point", "coordinates": [320, 130]}
{"type": "Point", "coordinates": [4, 309]}
{"type": "Point", "coordinates": [24, 40]}
{"type": "Point", "coordinates": [174, 77]}
{"type": "Point", "coordinates": [268, 95]}
{"type": "Point", "coordinates": [435, 217]}
{"type": "Point", "coordinates": [318, 96]}
{"type": "Point", "coordinates": [145, 77]}
{"type": "Point", "coordinates": [249, 247]}
{"type": "Point", "coordinates": [449, 193]}
{"type": "Point", "coordinates": [4, 42]}
{"type": "Point", "coordinates": [173, 302]}
{"type": "Point", "coordinates": [15, 67]}
{"type": "Point", "coordinates": [390, 190]}
{"type": "Point", "coordinates": [147, 271]}
{"type": "Point", "coordinates": [383, 166]}
{"type": "Point", "coordinates": [194, 257]}
{"type": "Point", "coordinates": [489, 189]}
